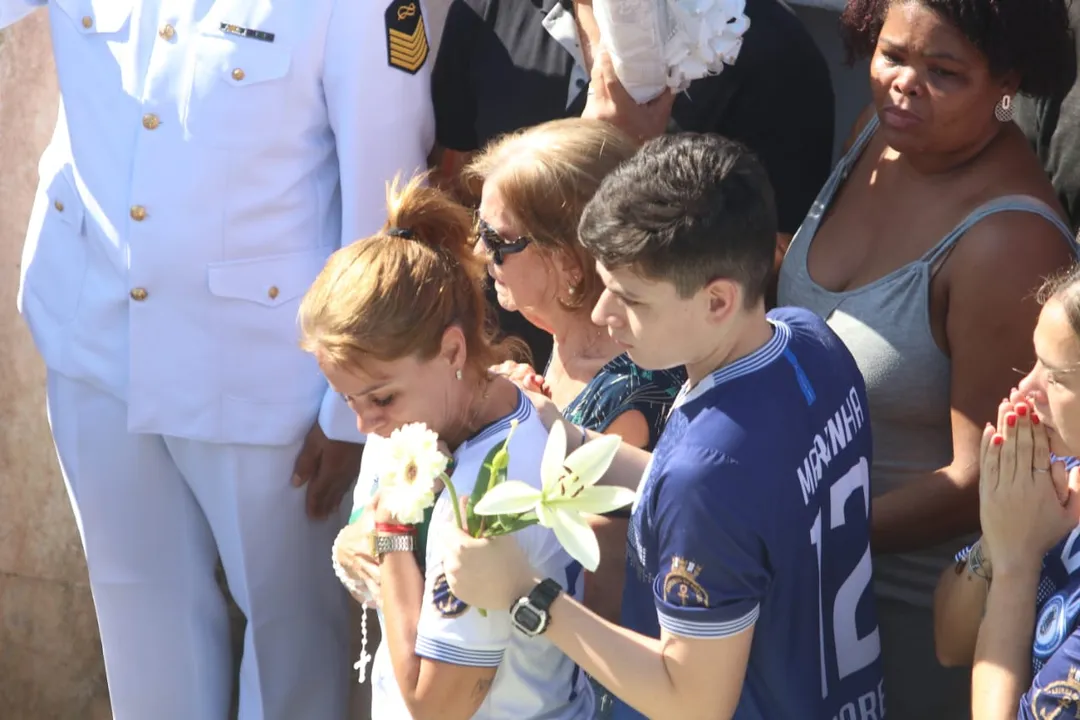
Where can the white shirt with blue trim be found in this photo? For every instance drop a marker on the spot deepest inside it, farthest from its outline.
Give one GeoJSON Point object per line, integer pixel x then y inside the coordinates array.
{"type": "Point", "coordinates": [535, 679]}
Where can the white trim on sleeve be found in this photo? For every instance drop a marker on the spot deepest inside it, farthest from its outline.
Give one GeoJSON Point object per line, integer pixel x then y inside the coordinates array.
{"type": "Point", "coordinates": [442, 651]}
{"type": "Point", "coordinates": [708, 630]}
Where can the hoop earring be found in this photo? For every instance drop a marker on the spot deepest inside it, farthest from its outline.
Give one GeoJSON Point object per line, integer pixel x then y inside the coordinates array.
{"type": "Point", "coordinates": [570, 289]}
{"type": "Point", "coordinates": [457, 373]}
{"type": "Point", "coordinates": [1003, 111]}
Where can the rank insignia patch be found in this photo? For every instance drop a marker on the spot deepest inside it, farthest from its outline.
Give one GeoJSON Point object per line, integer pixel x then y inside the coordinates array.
{"type": "Point", "coordinates": [406, 37]}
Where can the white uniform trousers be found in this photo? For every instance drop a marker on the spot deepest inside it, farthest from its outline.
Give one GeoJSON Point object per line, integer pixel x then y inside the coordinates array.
{"type": "Point", "coordinates": [154, 513]}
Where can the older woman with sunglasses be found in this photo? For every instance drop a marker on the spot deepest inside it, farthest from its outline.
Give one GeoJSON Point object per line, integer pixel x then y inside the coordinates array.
{"type": "Point", "coordinates": [533, 186]}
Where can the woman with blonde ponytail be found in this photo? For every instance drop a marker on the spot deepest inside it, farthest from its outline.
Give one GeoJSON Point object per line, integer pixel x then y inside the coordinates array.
{"type": "Point", "coordinates": [399, 326]}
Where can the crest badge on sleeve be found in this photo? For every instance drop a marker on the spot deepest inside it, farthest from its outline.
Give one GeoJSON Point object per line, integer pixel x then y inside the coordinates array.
{"type": "Point", "coordinates": [681, 586]}
{"type": "Point", "coordinates": [406, 36]}
{"type": "Point", "coordinates": [444, 601]}
{"type": "Point", "coordinates": [1059, 699]}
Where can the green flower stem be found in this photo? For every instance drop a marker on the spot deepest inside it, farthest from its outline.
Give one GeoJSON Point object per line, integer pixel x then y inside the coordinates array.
{"type": "Point", "coordinates": [453, 500]}
{"type": "Point", "coordinates": [457, 517]}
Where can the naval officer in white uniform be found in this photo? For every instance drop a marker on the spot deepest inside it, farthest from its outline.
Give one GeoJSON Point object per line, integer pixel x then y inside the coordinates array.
{"type": "Point", "coordinates": [209, 155]}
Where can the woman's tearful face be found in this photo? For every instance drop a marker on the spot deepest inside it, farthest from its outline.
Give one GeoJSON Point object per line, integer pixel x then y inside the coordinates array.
{"type": "Point", "coordinates": [1054, 382]}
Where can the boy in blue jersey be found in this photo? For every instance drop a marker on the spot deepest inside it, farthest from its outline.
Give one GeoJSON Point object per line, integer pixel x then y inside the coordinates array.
{"type": "Point", "coordinates": [748, 565]}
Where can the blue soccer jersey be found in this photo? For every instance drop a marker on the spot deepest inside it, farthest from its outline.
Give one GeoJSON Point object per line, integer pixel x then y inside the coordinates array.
{"type": "Point", "coordinates": [1055, 652]}
{"type": "Point", "coordinates": [755, 512]}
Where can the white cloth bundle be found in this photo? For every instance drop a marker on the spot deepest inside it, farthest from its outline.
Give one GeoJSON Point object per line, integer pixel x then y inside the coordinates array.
{"type": "Point", "coordinates": [658, 44]}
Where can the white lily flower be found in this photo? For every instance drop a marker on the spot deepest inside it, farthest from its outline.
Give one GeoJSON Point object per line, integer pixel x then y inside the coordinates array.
{"type": "Point", "coordinates": [411, 465]}
{"type": "Point", "coordinates": [568, 491]}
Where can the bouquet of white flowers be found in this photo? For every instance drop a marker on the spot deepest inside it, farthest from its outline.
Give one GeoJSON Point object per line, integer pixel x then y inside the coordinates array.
{"type": "Point", "coordinates": [411, 464]}
{"type": "Point", "coordinates": [658, 44]}
{"type": "Point", "coordinates": [499, 506]}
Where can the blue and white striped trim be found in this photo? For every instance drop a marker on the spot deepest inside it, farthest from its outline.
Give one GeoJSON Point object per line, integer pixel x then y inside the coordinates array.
{"type": "Point", "coordinates": [753, 362]}
{"type": "Point", "coordinates": [445, 652]}
{"type": "Point", "coordinates": [707, 630]}
{"type": "Point", "coordinates": [521, 413]}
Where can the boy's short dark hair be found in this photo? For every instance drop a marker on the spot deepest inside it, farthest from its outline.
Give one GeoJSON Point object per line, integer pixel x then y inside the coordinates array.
{"type": "Point", "coordinates": [689, 208]}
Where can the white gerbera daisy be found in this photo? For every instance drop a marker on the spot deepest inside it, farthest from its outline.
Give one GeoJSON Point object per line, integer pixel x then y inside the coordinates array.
{"type": "Point", "coordinates": [411, 465]}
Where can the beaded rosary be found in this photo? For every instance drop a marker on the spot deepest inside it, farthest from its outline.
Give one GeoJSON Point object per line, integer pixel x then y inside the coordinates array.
{"type": "Point", "coordinates": [367, 603]}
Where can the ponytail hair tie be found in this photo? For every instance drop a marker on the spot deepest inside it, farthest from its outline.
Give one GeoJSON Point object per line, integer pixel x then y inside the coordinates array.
{"type": "Point", "coordinates": [401, 233]}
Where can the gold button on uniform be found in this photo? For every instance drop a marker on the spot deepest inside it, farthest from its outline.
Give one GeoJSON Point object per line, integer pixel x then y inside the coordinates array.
{"type": "Point", "coordinates": [138, 294]}
{"type": "Point", "coordinates": [272, 292]}
{"type": "Point", "coordinates": [167, 32]}
{"type": "Point", "coordinates": [59, 206]}
{"type": "Point", "coordinates": [87, 22]}
{"type": "Point", "coordinates": [150, 121]}
{"type": "Point", "coordinates": [138, 213]}
{"type": "Point", "coordinates": [238, 74]}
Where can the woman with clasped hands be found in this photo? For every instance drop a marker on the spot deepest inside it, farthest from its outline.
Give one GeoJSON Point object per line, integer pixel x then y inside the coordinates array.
{"type": "Point", "coordinates": [1012, 602]}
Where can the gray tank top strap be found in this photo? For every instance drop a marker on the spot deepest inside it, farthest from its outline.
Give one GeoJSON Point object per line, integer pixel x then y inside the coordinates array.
{"type": "Point", "coordinates": [800, 243]}
{"type": "Point", "coordinates": [862, 140]}
{"type": "Point", "coordinates": [1008, 203]}
{"type": "Point", "coordinates": [843, 167]}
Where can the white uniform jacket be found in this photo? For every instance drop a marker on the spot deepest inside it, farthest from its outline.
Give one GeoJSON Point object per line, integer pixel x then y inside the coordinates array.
{"type": "Point", "coordinates": [208, 157]}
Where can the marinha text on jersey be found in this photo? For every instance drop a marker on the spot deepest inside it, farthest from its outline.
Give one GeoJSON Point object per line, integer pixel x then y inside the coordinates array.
{"type": "Point", "coordinates": [833, 438]}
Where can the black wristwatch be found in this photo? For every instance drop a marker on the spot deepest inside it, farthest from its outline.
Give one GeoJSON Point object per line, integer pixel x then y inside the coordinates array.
{"type": "Point", "coordinates": [530, 614]}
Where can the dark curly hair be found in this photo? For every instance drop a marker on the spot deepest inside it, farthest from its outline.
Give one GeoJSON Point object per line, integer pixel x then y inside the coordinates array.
{"type": "Point", "coordinates": [1029, 37]}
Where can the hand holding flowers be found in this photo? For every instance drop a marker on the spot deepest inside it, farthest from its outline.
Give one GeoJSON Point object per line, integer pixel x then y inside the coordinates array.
{"type": "Point", "coordinates": [353, 564]}
{"type": "Point", "coordinates": [498, 506]}
{"type": "Point", "coordinates": [568, 492]}
{"type": "Point", "coordinates": [413, 468]}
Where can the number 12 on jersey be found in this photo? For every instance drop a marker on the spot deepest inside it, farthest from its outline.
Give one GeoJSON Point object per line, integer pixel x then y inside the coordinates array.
{"type": "Point", "coordinates": [851, 653]}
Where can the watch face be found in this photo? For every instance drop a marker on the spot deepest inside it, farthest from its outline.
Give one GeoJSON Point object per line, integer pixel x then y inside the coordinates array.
{"type": "Point", "coordinates": [528, 619]}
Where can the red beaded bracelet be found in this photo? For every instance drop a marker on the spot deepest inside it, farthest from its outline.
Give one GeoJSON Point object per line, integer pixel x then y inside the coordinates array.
{"type": "Point", "coordinates": [394, 529]}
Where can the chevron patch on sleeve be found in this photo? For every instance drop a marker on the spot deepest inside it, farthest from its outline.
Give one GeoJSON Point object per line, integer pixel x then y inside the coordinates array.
{"type": "Point", "coordinates": [406, 37]}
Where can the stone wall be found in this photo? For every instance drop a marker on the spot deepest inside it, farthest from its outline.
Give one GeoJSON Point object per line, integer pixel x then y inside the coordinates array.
{"type": "Point", "coordinates": [50, 658]}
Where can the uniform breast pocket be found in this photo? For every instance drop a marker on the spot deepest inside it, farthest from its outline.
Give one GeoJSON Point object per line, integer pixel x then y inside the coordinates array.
{"type": "Point", "coordinates": [238, 87]}
{"type": "Point", "coordinates": [93, 17]}
{"type": "Point", "coordinates": [55, 256]}
{"type": "Point", "coordinates": [255, 303]}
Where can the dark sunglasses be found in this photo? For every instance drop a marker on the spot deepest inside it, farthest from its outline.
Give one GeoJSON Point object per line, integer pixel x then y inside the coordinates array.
{"type": "Point", "coordinates": [496, 244]}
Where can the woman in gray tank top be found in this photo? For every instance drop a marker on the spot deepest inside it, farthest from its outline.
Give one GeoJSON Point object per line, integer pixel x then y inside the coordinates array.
{"type": "Point", "coordinates": [923, 251]}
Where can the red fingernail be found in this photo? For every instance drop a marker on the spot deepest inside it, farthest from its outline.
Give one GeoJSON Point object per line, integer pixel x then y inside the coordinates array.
{"type": "Point", "coordinates": [1034, 419]}
{"type": "Point", "coordinates": [1021, 410]}
{"type": "Point", "coordinates": [998, 440]}
{"type": "Point", "coordinates": [1010, 419]}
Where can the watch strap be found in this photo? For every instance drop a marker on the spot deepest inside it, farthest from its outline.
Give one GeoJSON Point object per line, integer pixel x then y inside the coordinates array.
{"type": "Point", "coordinates": [544, 594]}
{"type": "Point", "coordinates": [383, 544]}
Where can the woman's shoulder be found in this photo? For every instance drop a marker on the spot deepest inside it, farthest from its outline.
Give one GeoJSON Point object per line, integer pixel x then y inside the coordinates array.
{"type": "Point", "coordinates": [1011, 168]}
{"type": "Point", "coordinates": [527, 436]}
{"type": "Point", "coordinates": [868, 114]}
{"type": "Point", "coordinates": [621, 386]}
{"type": "Point", "coordinates": [632, 377]}
{"type": "Point", "coordinates": [1006, 195]}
